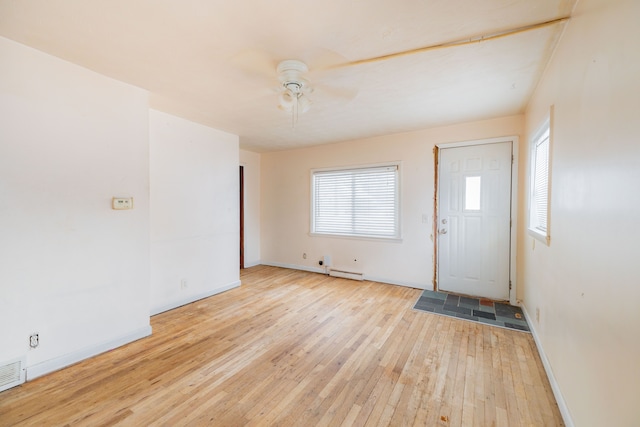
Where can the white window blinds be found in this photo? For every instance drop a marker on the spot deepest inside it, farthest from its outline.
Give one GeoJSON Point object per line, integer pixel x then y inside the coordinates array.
{"type": "Point", "coordinates": [540, 184]}
{"type": "Point", "coordinates": [356, 202]}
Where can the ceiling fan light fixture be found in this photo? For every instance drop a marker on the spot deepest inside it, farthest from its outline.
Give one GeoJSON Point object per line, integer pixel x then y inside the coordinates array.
{"type": "Point", "coordinates": [304, 103]}
{"type": "Point", "coordinates": [294, 104]}
{"type": "Point", "coordinates": [286, 101]}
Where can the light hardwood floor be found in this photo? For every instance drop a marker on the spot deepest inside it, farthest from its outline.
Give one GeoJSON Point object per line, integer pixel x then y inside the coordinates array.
{"type": "Point", "coordinates": [291, 348]}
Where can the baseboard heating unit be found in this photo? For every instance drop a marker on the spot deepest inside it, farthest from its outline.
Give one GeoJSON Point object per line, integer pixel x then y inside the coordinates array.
{"type": "Point", "coordinates": [345, 274]}
{"type": "Point", "coordinates": [12, 373]}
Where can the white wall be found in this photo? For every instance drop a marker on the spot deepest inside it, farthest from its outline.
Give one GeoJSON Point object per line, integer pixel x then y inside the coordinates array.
{"type": "Point", "coordinates": [286, 202]}
{"type": "Point", "coordinates": [586, 284]}
{"type": "Point", "coordinates": [71, 268]}
{"type": "Point", "coordinates": [194, 211]}
{"type": "Point", "coordinates": [251, 163]}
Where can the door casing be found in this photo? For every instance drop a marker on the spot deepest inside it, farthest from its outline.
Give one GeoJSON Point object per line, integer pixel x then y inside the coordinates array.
{"type": "Point", "coordinates": [241, 219]}
{"type": "Point", "coordinates": [514, 206]}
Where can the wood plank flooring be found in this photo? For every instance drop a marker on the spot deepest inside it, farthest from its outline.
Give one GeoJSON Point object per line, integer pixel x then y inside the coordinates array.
{"type": "Point", "coordinates": [291, 348]}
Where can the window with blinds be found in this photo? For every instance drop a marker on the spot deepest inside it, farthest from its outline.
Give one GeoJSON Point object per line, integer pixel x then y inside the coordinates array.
{"type": "Point", "coordinates": [359, 202]}
{"type": "Point", "coordinates": [539, 177]}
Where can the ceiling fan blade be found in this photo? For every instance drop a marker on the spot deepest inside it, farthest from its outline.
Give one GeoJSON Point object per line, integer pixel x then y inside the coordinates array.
{"type": "Point", "coordinates": [255, 64]}
{"type": "Point", "coordinates": [334, 94]}
{"type": "Point", "coordinates": [321, 59]}
{"type": "Point", "coordinates": [340, 84]}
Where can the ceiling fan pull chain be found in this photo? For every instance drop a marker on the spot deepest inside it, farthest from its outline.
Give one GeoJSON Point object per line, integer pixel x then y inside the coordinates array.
{"type": "Point", "coordinates": [296, 110]}
{"type": "Point", "coordinates": [293, 111]}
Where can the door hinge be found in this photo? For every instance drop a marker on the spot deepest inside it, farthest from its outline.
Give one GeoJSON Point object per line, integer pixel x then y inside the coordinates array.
{"type": "Point", "coordinates": [512, 159]}
{"type": "Point", "coordinates": [509, 284]}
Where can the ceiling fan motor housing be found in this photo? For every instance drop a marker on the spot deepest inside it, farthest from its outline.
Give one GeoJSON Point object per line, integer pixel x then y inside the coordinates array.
{"type": "Point", "coordinates": [290, 75]}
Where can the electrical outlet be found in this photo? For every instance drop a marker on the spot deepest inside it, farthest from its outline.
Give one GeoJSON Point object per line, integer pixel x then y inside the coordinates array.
{"type": "Point", "coordinates": [304, 255]}
{"type": "Point", "coordinates": [34, 340]}
{"type": "Point", "coordinates": [537, 315]}
{"type": "Point", "coordinates": [122, 203]}
{"type": "Point", "coordinates": [183, 284]}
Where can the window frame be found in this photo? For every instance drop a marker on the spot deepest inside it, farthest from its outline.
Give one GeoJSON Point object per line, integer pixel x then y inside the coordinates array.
{"type": "Point", "coordinates": [543, 235]}
{"type": "Point", "coordinates": [397, 210]}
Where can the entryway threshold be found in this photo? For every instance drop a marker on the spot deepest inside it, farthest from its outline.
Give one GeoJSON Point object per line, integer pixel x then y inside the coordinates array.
{"type": "Point", "coordinates": [474, 309]}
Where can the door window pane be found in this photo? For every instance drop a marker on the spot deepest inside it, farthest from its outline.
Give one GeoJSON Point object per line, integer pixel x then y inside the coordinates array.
{"type": "Point", "coordinates": [472, 192]}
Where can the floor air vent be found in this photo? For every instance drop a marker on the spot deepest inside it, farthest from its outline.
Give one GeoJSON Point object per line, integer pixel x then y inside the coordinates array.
{"type": "Point", "coordinates": [12, 373]}
{"type": "Point", "coordinates": [345, 274]}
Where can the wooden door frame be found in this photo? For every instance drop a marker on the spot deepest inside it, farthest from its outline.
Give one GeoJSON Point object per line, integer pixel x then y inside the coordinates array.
{"type": "Point", "coordinates": [241, 182]}
{"type": "Point", "coordinates": [514, 140]}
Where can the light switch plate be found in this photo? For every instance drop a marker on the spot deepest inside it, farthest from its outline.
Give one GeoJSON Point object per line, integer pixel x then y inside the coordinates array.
{"type": "Point", "coordinates": [122, 203]}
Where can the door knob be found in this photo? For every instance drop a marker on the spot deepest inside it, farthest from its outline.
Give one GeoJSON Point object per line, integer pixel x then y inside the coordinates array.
{"type": "Point", "coordinates": [444, 221]}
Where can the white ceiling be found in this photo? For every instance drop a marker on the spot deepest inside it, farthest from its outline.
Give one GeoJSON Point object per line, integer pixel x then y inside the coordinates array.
{"type": "Point", "coordinates": [213, 61]}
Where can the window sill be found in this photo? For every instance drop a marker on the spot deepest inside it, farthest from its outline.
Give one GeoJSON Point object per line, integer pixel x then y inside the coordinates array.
{"type": "Point", "coordinates": [542, 237]}
{"type": "Point", "coordinates": [355, 237]}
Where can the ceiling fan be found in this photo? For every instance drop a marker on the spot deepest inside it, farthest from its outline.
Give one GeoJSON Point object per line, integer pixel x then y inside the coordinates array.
{"type": "Point", "coordinates": [316, 75]}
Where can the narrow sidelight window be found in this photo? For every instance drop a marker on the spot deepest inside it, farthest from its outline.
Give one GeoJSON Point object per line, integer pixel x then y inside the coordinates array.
{"type": "Point", "coordinates": [539, 184]}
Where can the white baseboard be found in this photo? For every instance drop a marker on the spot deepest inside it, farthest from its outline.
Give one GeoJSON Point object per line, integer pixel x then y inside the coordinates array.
{"type": "Point", "coordinates": [365, 277]}
{"type": "Point", "coordinates": [58, 363]}
{"type": "Point", "coordinates": [397, 282]}
{"type": "Point", "coordinates": [296, 267]}
{"type": "Point", "coordinates": [555, 387]}
{"type": "Point", "coordinates": [192, 298]}
{"type": "Point", "coordinates": [251, 264]}
{"type": "Point", "coordinates": [346, 274]}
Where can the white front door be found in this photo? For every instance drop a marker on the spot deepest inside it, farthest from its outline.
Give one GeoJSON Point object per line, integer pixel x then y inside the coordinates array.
{"type": "Point", "coordinates": [474, 220]}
